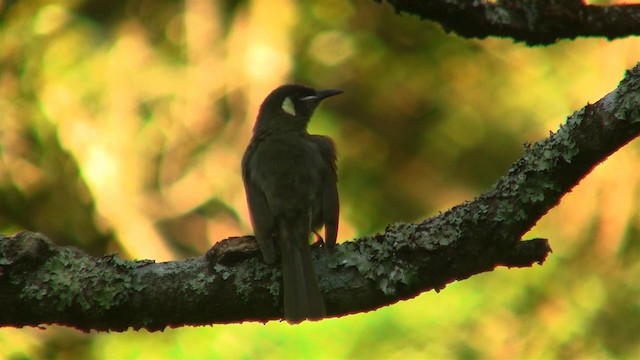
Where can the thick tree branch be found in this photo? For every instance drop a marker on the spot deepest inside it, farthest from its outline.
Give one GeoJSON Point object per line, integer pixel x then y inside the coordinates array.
{"type": "Point", "coordinates": [536, 22]}
{"type": "Point", "coordinates": [44, 284]}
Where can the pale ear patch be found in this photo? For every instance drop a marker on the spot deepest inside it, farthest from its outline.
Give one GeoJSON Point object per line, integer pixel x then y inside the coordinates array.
{"type": "Point", "coordinates": [288, 106]}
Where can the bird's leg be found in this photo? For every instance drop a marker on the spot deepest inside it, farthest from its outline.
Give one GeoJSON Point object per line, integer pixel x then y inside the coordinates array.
{"type": "Point", "coordinates": [319, 240]}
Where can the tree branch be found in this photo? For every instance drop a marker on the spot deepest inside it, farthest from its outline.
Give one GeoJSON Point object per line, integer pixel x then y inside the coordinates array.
{"type": "Point", "coordinates": [535, 22]}
{"type": "Point", "coordinates": [41, 283]}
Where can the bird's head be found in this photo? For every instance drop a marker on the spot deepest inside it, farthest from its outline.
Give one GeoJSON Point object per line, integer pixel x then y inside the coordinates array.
{"type": "Point", "coordinates": [290, 107]}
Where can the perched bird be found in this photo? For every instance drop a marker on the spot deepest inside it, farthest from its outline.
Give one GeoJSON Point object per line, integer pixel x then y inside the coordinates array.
{"type": "Point", "coordinates": [290, 181]}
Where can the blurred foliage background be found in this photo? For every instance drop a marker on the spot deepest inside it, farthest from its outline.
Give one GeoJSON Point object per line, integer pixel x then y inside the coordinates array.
{"type": "Point", "coordinates": [122, 126]}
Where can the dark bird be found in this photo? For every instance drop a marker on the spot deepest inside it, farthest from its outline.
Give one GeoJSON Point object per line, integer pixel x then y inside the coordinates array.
{"type": "Point", "coordinates": [290, 182]}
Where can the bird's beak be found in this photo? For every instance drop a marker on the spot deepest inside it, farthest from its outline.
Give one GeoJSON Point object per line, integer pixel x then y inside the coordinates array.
{"type": "Point", "coordinates": [327, 93]}
{"type": "Point", "coordinates": [323, 94]}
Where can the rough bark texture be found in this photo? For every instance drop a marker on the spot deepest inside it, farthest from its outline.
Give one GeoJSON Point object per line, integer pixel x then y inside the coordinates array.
{"type": "Point", "coordinates": [536, 22]}
{"type": "Point", "coordinates": [41, 283]}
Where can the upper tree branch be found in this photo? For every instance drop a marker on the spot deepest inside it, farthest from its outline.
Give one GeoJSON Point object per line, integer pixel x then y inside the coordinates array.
{"type": "Point", "coordinates": [43, 284]}
{"type": "Point", "coordinates": [536, 22]}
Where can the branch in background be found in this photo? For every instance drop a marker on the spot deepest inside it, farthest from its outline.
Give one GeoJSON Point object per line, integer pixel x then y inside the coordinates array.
{"type": "Point", "coordinates": [536, 22]}
{"type": "Point", "coordinates": [41, 283]}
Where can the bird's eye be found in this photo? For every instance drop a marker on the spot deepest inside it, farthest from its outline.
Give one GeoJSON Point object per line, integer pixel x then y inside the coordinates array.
{"type": "Point", "coordinates": [288, 106]}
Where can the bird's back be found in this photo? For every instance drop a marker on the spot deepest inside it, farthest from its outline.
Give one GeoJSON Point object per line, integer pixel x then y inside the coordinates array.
{"type": "Point", "coordinates": [286, 186]}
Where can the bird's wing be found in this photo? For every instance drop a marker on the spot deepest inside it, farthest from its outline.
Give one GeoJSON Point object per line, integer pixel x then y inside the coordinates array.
{"type": "Point", "coordinates": [330, 200]}
{"type": "Point", "coordinates": [259, 211]}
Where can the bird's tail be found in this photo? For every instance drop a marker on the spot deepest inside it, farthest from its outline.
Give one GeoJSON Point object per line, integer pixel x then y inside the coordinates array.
{"type": "Point", "coordinates": [302, 297]}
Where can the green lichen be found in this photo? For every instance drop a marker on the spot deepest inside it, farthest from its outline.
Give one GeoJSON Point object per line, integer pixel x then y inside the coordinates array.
{"type": "Point", "coordinates": [504, 211]}
{"type": "Point", "coordinates": [57, 281]}
{"type": "Point", "coordinates": [200, 284]}
{"type": "Point", "coordinates": [375, 257]}
{"type": "Point", "coordinates": [222, 270]}
{"type": "Point", "coordinates": [70, 278]}
{"type": "Point", "coordinates": [346, 258]}
{"type": "Point", "coordinates": [626, 98]}
{"type": "Point", "coordinates": [274, 286]}
{"type": "Point", "coordinates": [480, 214]}
{"type": "Point", "coordinates": [254, 272]}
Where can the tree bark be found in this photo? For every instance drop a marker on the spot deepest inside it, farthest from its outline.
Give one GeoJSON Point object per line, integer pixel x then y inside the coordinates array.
{"type": "Point", "coordinates": [535, 22]}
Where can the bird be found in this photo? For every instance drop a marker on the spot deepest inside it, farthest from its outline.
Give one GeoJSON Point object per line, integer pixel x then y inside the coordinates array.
{"type": "Point", "coordinates": [290, 181]}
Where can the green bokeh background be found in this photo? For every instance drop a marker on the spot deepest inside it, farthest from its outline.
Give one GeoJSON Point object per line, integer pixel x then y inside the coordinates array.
{"type": "Point", "coordinates": [122, 125]}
